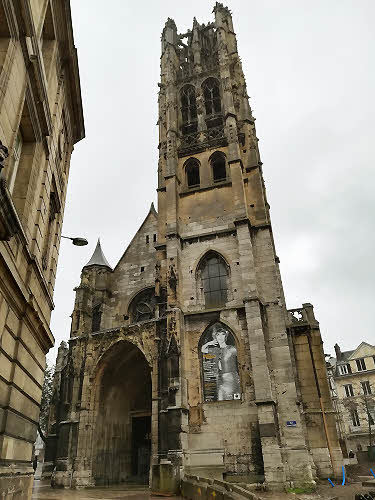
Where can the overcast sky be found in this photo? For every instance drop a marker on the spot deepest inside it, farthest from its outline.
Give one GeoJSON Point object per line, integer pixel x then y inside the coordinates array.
{"type": "Point", "coordinates": [309, 67]}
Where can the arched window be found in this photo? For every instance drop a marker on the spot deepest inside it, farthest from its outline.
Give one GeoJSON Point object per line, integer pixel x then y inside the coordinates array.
{"type": "Point", "coordinates": [192, 173]}
{"type": "Point", "coordinates": [214, 276]}
{"type": "Point", "coordinates": [218, 353]}
{"type": "Point", "coordinates": [188, 109]}
{"type": "Point", "coordinates": [218, 165]}
{"type": "Point", "coordinates": [96, 318]}
{"type": "Point", "coordinates": [142, 307]}
{"type": "Point", "coordinates": [211, 93]}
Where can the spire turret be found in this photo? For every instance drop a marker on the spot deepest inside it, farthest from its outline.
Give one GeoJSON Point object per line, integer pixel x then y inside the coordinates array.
{"type": "Point", "coordinates": [98, 258]}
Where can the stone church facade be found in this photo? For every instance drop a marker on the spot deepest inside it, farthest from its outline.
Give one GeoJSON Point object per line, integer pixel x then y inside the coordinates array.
{"type": "Point", "coordinates": [184, 354]}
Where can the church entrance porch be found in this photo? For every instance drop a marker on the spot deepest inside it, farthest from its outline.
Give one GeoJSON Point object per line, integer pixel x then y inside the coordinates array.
{"type": "Point", "coordinates": [122, 413]}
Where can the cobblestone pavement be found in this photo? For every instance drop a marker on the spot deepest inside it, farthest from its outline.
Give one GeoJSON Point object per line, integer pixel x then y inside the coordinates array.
{"type": "Point", "coordinates": [43, 491]}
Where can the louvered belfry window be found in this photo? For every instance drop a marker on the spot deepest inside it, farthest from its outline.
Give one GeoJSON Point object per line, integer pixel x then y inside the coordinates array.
{"type": "Point", "coordinates": [192, 173]}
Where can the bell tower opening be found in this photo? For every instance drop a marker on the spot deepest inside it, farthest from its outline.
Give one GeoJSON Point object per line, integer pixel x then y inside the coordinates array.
{"type": "Point", "coordinates": [122, 445]}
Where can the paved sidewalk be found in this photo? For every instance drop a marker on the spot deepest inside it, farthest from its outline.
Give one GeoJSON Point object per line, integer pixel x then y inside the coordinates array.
{"type": "Point", "coordinates": [43, 491]}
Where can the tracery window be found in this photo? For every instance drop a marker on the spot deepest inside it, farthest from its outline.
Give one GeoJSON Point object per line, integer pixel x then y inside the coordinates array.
{"type": "Point", "coordinates": [192, 173]}
{"type": "Point", "coordinates": [211, 93]}
{"type": "Point", "coordinates": [142, 307]}
{"type": "Point", "coordinates": [218, 353]}
{"type": "Point", "coordinates": [218, 165]}
{"type": "Point", "coordinates": [214, 276]}
{"type": "Point", "coordinates": [188, 110]}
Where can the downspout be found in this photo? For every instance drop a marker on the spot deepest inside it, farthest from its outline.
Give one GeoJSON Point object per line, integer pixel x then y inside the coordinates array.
{"type": "Point", "coordinates": [320, 401]}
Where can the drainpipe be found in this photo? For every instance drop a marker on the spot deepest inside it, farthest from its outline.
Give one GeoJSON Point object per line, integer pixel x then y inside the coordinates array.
{"type": "Point", "coordinates": [320, 400]}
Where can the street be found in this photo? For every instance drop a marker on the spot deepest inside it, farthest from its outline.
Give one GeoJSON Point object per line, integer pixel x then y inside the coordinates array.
{"type": "Point", "coordinates": [43, 491]}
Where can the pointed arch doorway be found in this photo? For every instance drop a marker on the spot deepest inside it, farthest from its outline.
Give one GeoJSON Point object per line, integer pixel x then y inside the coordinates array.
{"type": "Point", "coordinates": [122, 414]}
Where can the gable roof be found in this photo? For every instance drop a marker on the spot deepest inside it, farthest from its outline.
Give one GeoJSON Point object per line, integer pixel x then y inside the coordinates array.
{"type": "Point", "coordinates": [153, 212]}
{"type": "Point", "coordinates": [354, 353]}
{"type": "Point", "coordinates": [350, 355]}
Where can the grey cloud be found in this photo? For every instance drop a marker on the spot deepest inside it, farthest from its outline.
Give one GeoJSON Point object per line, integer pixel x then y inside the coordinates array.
{"type": "Point", "coordinates": [309, 70]}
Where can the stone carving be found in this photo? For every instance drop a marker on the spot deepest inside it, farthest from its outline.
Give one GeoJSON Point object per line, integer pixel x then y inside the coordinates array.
{"type": "Point", "coordinates": [171, 148]}
{"type": "Point", "coordinates": [297, 315]}
{"type": "Point", "coordinates": [192, 143]}
{"type": "Point", "coordinates": [172, 277]}
{"type": "Point", "coordinates": [232, 134]}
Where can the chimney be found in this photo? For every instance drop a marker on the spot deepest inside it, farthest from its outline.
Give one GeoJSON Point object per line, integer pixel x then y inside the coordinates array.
{"type": "Point", "coordinates": [338, 352]}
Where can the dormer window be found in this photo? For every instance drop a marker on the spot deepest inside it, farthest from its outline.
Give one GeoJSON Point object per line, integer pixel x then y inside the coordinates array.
{"type": "Point", "coordinates": [361, 365]}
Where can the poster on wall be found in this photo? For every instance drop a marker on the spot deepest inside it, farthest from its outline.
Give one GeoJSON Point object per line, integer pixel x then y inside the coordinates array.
{"type": "Point", "coordinates": [221, 381]}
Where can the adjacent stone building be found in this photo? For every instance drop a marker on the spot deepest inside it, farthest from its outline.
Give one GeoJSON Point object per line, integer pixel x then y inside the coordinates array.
{"type": "Point", "coordinates": [40, 121]}
{"type": "Point", "coordinates": [352, 382]}
{"type": "Point", "coordinates": [183, 356]}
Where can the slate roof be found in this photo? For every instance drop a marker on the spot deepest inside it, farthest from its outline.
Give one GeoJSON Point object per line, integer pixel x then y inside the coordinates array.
{"type": "Point", "coordinates": [98, 258]}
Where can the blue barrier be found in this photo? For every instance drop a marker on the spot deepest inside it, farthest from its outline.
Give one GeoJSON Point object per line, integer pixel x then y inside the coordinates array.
{"type": "Point", "coordinates": [343, 478]}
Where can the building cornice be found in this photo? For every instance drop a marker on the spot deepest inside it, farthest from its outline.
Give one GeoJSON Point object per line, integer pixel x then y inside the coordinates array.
{"type": "Point", "coordinates": [354, 374]}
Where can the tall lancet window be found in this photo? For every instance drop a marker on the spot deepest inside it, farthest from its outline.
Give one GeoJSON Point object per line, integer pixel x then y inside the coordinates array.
{"type": "Point", "coordinates": [96, 318]}
{"type": "Point", "coordinates": [211, 93]}
{"type": "Point", "coordinates": [188, 109]}
{"type": "Point", "coordinates": [214, 276]}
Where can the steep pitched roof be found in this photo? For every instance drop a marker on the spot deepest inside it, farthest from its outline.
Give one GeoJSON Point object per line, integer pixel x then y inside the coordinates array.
{"type": "Point", "coordinates": [346, 355]}
{"type": "Point", "coordinates": [354, 354]}
{"type": "Point", "coordinates": [98, 258]}
{"type": "Point", "coordinates": [153, 212]}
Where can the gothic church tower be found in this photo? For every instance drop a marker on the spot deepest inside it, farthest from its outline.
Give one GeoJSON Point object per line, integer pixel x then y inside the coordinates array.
{"type": "Point", "coordinates": [181, 355]}
{"type": "Point", "coordinates": [215, 241]}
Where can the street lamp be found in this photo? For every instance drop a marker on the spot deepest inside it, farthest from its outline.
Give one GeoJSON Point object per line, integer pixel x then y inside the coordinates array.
{"type": "Point", "coordinates": [79, 242]}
